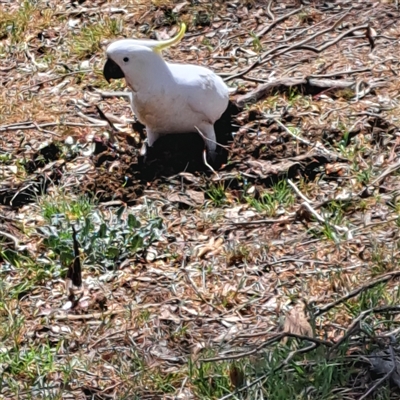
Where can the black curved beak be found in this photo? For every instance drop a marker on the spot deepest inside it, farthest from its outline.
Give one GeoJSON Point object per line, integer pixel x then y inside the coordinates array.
{"type": "Point", "coordinates": [111, 70]}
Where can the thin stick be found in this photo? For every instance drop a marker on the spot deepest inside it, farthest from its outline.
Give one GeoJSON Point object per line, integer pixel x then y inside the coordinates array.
{"type": "Point", "coordinates": [208, 165]}
{"type": "Point", "coordinates": [276, 21]}
{"type": "Point", "coordinates": [357, 291]}
{"type": "Point", "coordinates": [294, 187]}
{"type": "Point", "coordinates": [210, 140]}
{"type": "Point", "coordinates": [386, 172]}
{"type": "Point", "coordinates": [265, 376]}
{"type": "Point", "coordinates": [269, 12]}
{"type": "Point", "coordinates": [114, 94]}
{"type": "Point", "coordinates": [14, 239]}
{"type": "Point", "coordinates": [334, 41]}
{"type": "Point", "coordinates": [287, 130]}
{"type": "Point", "coordinates": [83, 71]}
{"type": "Point", "coordinates": [302, 45]}
{"type": "Point", "coordinates": [354, 326]}
{"type": "Point", "coordinates": [205, 152]}
{"type": "Point", "coordinates": [263, 221]}
{"type": "Point", "coordinates": [33, 125]}
{"type": "Point", "coordinates": [344, 72]}
{"type": "Point", "coordinates": [317, 145]}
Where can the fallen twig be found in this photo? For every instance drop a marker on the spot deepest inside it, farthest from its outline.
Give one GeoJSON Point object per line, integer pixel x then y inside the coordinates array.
{"type": "Point", "coordinates": [17, 246]}
{"type": "Point", "coordinates": [270, 341]}
{"type": "Point", "coordinates": [280, 366]}
{"type": "Point", "coordinates": [276, 21]}
{"type": "Point", "coordinates": [306, 204]}
{"type": "Point", "coordinates": [334, 41]}
{"type": "Point", "coordinates": [386, 172]}
{"type": "Point", "coordinates": [295, 188]}
{"type": "Point", "coordinates": [316, 145]}
{"type": "Point", "coordinates": [263, 221]}
{"type": "Point", "coordinates": [34, 125]}
{"type": "Point", "coordinates": [82, 71]}
{"type": "Point", "coordinates": [302, 45]}
{"type": "Point", "coordinates": [287, 130]}
{"type": "Point", "coordinates": [357, 291]}
{"type": "Point", "coordinates": [338, 73]}
{"type": "Point", "coordinates": [354, 326]}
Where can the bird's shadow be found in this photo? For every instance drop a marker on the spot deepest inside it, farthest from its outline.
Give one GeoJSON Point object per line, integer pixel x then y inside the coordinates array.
{"type": "Point", "coordinates": [176, 153]}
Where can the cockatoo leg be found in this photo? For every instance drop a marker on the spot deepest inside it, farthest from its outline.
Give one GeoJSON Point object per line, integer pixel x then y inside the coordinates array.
{"type": "Point", "coordinates": [207, 130]}
{"type": "Point", "coordinates": [151, 137]}
{"type": "Point", "coordinates": [148, 142]}
{"type": "Point", "coordinates": [143, 150]}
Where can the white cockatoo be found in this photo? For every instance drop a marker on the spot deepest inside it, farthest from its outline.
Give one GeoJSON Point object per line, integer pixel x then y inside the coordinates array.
{"type": "Point", "coordinates": [168, 98]}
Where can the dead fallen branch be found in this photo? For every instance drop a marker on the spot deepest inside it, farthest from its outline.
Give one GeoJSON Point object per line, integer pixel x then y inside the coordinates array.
{"type": "Point", "coordinates": [357, 291]}
{"type": "Point", "coordinates": [302, 45]}
{"type": "Point", "coordinates": [305, 85]}
{"type": "Point", "coordinates": [274, 339]}
{"type": "Point", "coordinates": [82, 71]}
{"type": "Point", "coordinates": [277, 21]}
{"type": "Point", "coordinates": [355, 325]}
{"type": "Point", "coordinates": [33, 125]}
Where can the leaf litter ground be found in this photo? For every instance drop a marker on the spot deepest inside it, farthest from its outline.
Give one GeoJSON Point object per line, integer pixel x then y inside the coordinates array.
{"type": "Point", "coordinates": [199, 284]}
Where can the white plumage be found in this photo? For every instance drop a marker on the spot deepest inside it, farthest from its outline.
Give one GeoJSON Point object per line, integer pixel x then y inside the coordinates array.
{"type": "Point", "coordinates": [166, 97]}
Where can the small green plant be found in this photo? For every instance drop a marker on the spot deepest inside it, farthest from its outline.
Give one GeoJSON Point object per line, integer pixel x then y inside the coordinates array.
{"type": "Point", "coordinates": [14, 25]}
{"type": "Point", "coordinates": [208, 44]}
{"type": "Point", "coordinates": [5, 158]}
{"type": "Point", "coordinates": [32, 363]}
{"type": "Point", "coordinates": [104, 241]}
{"type": "Point", "coordinates": [238, 254]}
{"type": "Point", "coordinates": [88, 41]}
{"type": "Point", "coordinates": [307, 16]}
{"type": "Point", "coordinates": [170, 17]}
{"type": "Point", "coordinates": [216, 193]}
{"type": "Point", "coordinates": [143, 317]}
{"type": "Point", "coordinates": [293, 94]}
{"type": "Point", "coordinates": [165, 383]}
{"type": "Point", "coordinates": [270, 201]}
{"type": "Point", "coordinates": [324, 231]}
{"type": "Point", "coordinates": [297, 99]}
{"type": "Point", "coordinates": [310, 375]}
{"type": "Point", "coordinates": [335, 211]}
{"type": "Point", "coordinates": [270, 104]}
{"type": "Point", "coordinates": [394, 203]}
{"type": "Point", "coordinates": [364, 176]}
{"type": "Point", "coordinates": [345, 138]}
{"type": "Point", "coordinates": [257, 46]}
{"type": "Point", "coordinates": [210, 380]}
{"type": "Point", "coordinates": [31, 272]}
{"type": "Point", "coordinates": [202, 18]}
{"type": "Point", "coordinates": [346, 94]}
{"type": "Point", "coordinates": [65, 207]}
{"type": "Point", "coordinates": [367, 299]}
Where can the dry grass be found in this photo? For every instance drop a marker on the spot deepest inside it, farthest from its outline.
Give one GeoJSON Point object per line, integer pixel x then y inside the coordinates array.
{"type": "Point", "coordinates": [188, 278]}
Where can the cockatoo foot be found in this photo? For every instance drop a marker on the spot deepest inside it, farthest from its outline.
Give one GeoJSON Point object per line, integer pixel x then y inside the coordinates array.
{"type": "Point", "coordinates": [144, 150]}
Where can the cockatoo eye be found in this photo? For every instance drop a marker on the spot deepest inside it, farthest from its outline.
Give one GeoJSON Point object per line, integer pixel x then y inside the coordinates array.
{"type": "Point", "coordinates": [126, 59]}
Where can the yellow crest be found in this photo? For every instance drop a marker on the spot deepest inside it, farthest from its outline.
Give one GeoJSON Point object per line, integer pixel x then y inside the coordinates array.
{"type": "Point", "coordinates": [164, 44]}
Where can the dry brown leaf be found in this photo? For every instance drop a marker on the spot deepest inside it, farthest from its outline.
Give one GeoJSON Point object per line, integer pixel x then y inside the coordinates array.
{"type": "Point", "coordinates": [168, 315]}
{"type": "Point", "coordinates": [296, 322]}
{"type": "Point", "coordinates": [179, 7]}
{"type": "Point", "coordinates": [191, 198]}
{"type": "Point", "coordinates": [212, 248]}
